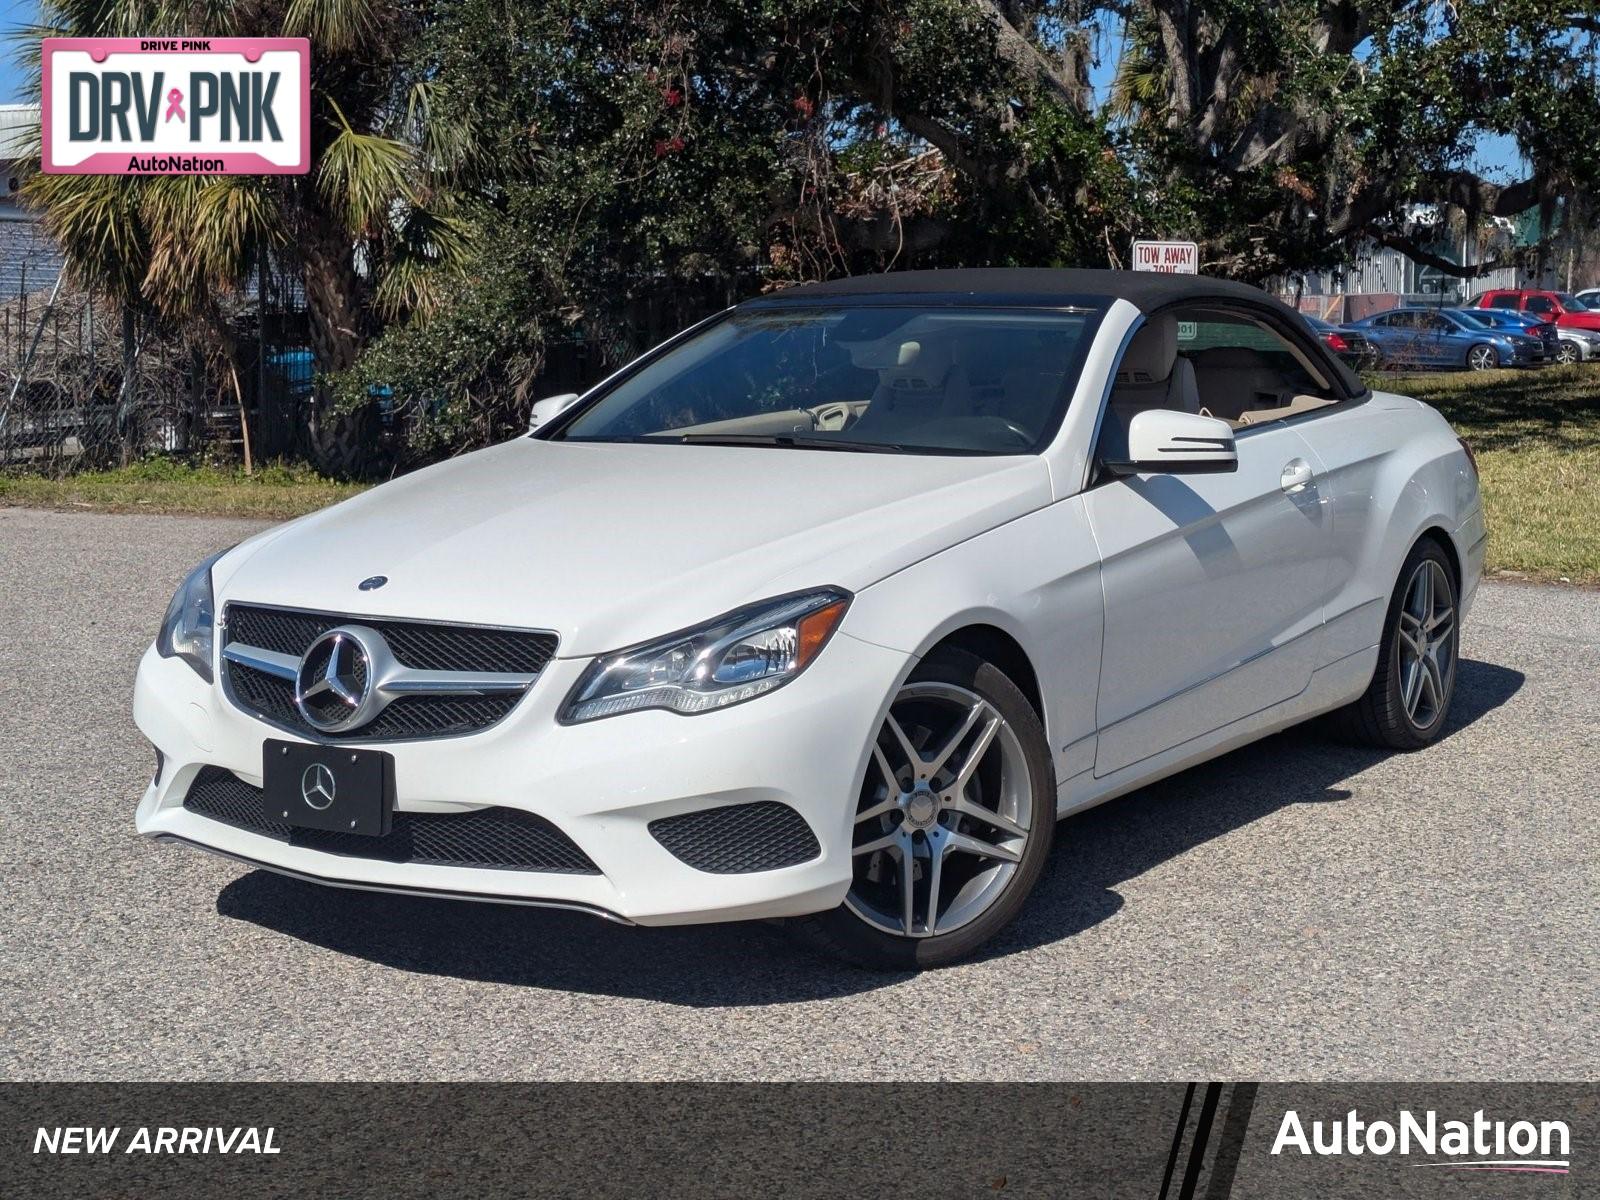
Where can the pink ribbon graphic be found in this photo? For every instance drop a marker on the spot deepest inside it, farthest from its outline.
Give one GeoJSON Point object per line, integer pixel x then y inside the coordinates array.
{"type": "Point", "coordinates": [174, 106]}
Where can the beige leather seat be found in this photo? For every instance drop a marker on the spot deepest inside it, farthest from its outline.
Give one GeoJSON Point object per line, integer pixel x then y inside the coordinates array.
{"type": "Point", "coordinates": [1151, 374]}
{"type": "Point", "coordinates": [1233, 380]}
{"type": "Point", "coordinates": [913, 390]}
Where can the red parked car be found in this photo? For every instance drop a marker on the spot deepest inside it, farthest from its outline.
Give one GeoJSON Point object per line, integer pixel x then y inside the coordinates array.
{"type": "Point", "coordinates": [1568, 312]}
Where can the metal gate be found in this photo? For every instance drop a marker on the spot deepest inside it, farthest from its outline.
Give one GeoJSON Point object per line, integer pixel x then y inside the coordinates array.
{"type": "Point", "coordinates": [80, 382]}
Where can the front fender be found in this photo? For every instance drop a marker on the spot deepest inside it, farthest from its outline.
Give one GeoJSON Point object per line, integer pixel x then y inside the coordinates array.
{"type": "Point", "coordinates": [1036, 579]}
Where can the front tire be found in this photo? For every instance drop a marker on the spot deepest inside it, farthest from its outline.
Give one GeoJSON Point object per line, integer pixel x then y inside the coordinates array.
{"type": "Point", "coordinates": [1406, 705]}
{"type": "Point", "coordinates": [953, 821]}
{"type": "Point", "coordinates": [1567, 354]}
{"type": "Point", "coordinates": [1482, 358]}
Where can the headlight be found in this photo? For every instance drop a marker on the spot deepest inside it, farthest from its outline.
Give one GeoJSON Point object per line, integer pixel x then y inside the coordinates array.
{"type": "Point", "coordinates": [186, 630]}
{"type": "Point", "coordinates": [734, 658]}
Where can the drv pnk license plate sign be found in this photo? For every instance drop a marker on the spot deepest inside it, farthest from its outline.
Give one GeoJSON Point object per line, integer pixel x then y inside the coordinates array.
{"type": "Point", "coordinates": [177, 106]}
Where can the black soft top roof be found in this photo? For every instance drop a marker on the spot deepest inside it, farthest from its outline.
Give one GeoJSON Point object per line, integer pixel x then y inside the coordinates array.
{"type": "Point", "coordinates": [1145, 290]}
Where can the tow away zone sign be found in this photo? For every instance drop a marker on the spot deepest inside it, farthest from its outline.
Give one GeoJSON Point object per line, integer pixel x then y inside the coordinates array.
{"type": "Point", "coordinates": [1169, 258]}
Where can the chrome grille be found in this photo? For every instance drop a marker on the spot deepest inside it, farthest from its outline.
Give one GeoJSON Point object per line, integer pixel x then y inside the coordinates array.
{"type": "Point", "coordinates": [421, 646]}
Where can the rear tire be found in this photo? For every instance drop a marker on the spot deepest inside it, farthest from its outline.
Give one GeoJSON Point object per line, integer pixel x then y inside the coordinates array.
{"type": "Point", "coordinates": [960, 740]}
{"type": "Point", "coordinates": [1567, 354]}
{"type": "Point", "coordinates": [1407, 704]}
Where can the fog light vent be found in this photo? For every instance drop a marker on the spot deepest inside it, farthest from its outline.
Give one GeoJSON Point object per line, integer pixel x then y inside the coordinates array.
{"type": "Point", "coordinates": [738, 838]}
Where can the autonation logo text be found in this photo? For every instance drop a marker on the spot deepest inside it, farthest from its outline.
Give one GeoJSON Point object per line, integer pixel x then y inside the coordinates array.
{"type": "Point", "coordinates": [1480, 1144]}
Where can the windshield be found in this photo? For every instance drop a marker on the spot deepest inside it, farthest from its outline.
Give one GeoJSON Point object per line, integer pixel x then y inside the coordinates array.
{"type": "Point", "coordinates": [867, 377]}
{"type": "Point", "coordinates": [1571, 303]}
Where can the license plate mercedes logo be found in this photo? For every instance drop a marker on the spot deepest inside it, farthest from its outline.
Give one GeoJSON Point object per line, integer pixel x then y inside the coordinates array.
{"type": "Point", "coordinates": [317, 786]}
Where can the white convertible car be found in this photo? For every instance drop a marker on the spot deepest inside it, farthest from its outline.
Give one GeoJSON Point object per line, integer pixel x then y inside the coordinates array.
{"type": "Point", "coordinates": [827, 609]}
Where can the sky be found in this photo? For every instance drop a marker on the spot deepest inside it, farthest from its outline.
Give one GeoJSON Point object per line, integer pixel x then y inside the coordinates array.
{"type": "Point", "coordinates": [1497, 156]}
{"type": "Point", "coordinates": [13, 13]}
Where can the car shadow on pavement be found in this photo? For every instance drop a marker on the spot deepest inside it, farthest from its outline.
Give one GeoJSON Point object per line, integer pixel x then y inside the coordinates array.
{"type": "Point", "coordinates": [1101, 848]}
{"type": "Point", "coordinates": [753, 963]}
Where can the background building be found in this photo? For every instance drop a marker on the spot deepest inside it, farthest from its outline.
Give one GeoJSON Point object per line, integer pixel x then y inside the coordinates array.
{"type": "Point", "coordinates": [1382, 277]}
{"type": "Point", "coordinates": [29, 260]}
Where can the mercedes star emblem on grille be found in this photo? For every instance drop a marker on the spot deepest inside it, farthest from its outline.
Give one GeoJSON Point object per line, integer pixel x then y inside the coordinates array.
{"type": "Point", "coordinates": [334, 687]}
{"type": "Point", "coordinates": [317, 786]}
{"type": "Point", "coordinates": [349, 675]}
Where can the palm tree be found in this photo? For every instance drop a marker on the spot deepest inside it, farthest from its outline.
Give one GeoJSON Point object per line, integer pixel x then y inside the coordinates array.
{"type": "Point", "coordinates": [376, 227]}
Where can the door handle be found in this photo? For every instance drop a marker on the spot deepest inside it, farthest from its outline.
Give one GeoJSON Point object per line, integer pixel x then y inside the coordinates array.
{"type": "Point", "coordinates": [1296, 476]}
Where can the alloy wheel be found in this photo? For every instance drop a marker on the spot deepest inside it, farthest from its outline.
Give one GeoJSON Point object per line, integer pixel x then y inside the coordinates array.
{"type": "Point", "coordinates": [1568, 353]}
{"type": "Point", "coordinates": [1481, 358]}
{"type": "Point", "coordinates": [943, 818]}
{"type": "Point", "coordinates": [1425, 633]}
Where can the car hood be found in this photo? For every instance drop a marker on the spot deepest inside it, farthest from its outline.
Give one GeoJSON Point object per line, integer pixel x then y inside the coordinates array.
{"type": "Point", "coordinates": [610, 544]}
{"type": "Point", "coordinates": [1583, 320]}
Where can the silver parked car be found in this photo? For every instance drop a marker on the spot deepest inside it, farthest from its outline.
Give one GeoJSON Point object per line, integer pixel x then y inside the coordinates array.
{"type": "Point", "coordinates": [1577, 345]}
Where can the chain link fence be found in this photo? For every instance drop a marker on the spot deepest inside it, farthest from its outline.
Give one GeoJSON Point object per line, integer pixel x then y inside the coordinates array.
{"type": "Point", "coordinates": [86, 383]}
{"type": "Point", "coordinates": [80, 383]}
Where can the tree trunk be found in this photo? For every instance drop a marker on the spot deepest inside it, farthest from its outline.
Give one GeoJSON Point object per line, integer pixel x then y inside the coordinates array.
{"type": "Point", "coordinates": [244, 419]}
{"type": "Point", "coordinates": [130, 359]}
{"type": "Point", "coordinates": [194, 421]}
{"type": "Point", "coordinates": [333, 298]}
{"type": "Point", "coordinates": [222, 337]}
{"type": "Point", "coordinates": [342, 444]}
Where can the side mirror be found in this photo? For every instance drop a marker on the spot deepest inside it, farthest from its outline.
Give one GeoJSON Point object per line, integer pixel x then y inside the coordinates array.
{"type": "Point", "coordinates": [545, 410]}
{"type": "Point", "coordinates": [1161, 441]}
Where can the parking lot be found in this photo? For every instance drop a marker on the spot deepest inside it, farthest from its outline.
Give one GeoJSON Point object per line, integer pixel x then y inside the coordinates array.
{"type": "Point", "coordinates": [1298, 909]}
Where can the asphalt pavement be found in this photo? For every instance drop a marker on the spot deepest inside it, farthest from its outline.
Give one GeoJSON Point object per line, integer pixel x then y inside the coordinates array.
{"type": "Point", "coordinates": [1296, 910]}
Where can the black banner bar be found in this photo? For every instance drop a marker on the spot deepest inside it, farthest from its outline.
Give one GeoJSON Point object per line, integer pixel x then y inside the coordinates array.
{"type": "Point", "coordinates": [1144, 1141]}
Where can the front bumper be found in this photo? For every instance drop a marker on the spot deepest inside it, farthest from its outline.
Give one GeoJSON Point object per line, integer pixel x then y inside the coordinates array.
{"type": "Point", "coordinates": [1588, 351]}
{"type": "Point", "coordinates": [600, 782]}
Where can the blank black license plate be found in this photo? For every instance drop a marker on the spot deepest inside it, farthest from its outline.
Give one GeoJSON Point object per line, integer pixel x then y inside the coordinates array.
{"type": "Point", "coordinates": [328, 787]}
